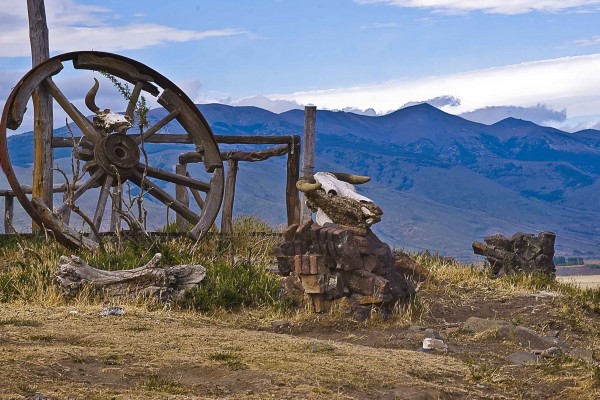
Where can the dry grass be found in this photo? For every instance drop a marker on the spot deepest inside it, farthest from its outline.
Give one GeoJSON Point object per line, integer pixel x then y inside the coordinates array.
{"type": "Point", "coordinates": [158, 351]}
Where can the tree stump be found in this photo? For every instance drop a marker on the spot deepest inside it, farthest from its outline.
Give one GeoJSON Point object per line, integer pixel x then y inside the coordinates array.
{"type": "Point", "coordinates": [165, 284]}
{"type": "Point", "coordinates": [521, 252]}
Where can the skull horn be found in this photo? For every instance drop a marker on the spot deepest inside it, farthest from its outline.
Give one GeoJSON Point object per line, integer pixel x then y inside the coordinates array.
{"type": "Point", "coordinates": [352, 179]}
{"type": "Point", "coordinates": [90, 98]}
{"type": "Point", "coordinates": [305, 186]}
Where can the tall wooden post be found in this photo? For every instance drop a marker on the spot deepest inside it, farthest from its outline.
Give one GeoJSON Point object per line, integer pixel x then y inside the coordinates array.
{"type": "Point", "coordinates": [42, 106]}
{"type": "Point", "coordinates": [227, 213]}
{"type": "Point", "coordinates": [308, 152]}
{"type": "Point", "coordinates": [181, 194]}
{"type": "Point", "coordinates": [293, 171]}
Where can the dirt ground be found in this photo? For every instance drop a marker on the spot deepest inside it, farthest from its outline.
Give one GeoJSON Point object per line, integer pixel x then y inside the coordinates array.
{"type": "Point", "coordinates": [74, 353]}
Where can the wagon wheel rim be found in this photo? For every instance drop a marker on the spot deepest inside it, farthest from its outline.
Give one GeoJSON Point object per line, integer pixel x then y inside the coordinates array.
{"type": "Point", "coordinates": [113, 158]}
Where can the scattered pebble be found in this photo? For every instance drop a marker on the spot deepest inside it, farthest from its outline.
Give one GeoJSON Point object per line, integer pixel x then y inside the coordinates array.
{"type": "Point", "coordinates": [113, 311]}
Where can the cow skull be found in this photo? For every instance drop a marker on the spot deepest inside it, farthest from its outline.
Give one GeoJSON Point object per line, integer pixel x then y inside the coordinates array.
{"type": "Point", "coordinates": [335, 200]}
{"type": "Point", "coordinates": [106, 120]}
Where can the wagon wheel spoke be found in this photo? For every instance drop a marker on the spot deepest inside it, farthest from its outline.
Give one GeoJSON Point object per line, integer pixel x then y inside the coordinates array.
{"type": "Point", "coordinates": [133, 99]}
{"type": "Point", "coordinates": [81, 190]}
{"type": "Point", "coordinates": [156, 127]}
{"type": "Point", "coordinates": [174, 178]}
{"type": "Point", "coordinates": [102, 199]}
{"type": "Point", "coordinates": [164, 197]}
{"type": "Point", "coordinates": [196, 195]}
{"type": "Point", "coordinates": [77, 116]}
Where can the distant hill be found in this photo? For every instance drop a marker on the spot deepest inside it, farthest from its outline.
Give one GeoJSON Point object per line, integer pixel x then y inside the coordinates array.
{"type": "Point", "coordinates": [441, 180]}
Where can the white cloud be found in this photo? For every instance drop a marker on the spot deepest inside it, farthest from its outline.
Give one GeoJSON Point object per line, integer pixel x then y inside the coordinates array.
{"type": "Point", "coordinates": [74, 26]}
{"type": "Point", "coordinates": [490, 6]}
{"type": "Point", "coordinates": [572, 83]}
{"type": "Point", "coordinates": [594, 41]}
{"type": "Point", "coordinates": [381, 25]}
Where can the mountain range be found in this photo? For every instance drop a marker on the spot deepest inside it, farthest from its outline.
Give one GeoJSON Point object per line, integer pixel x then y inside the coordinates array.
{"type": "Point", "coordinates": [441, 180]}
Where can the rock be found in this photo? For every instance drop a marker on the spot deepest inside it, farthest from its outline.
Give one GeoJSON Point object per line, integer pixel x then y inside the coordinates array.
{"type": "Point", "coordinates": [118, 311]}
{"type": "Point", "coordinates": [480, 325]}
{"type": "Point", "coordinates": [418, 333]}
{"type": "Point", "coordinates": [551, 352]}
{"type": "Point", "coordinates": [583, 354]}
{"type": "Point", "coordinates": [522, 358]}
{"type": "Point", "coordinates": [526, 337]}
{"type": "Point", "coordinates": [281, 326]}
{"type": "Point", "coordinates": [434, 344]}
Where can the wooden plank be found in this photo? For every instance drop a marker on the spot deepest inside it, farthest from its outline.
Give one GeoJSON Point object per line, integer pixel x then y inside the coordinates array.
{"type": "Point", "coordinates": [43, 157]}
{"type": "Point", "coordinates": [28, 189]}
{"type": "Point", "coordinates": [308, 152]}
{"type": "Point", "coordinates": [59, 142]}
{"type": "Point", "coordinates": [182, 195]}
{"type": "Point", "coordinates": [292, 198]}
{"type": "Point", "coordinates": [227, 210]}
{"type": "Point", "coordinates": [9, 202]}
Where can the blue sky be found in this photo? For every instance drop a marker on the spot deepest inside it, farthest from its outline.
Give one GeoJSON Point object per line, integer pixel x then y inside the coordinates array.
{"type": "Point", "coordinates": [539, 57]}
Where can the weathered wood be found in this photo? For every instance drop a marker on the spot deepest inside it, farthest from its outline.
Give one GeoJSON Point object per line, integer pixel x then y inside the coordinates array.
{"type": "Point", "coordinates": [292, 198]}
{"type": "Point", "coordinates": [59, 188]}
{"type": "Point", "coordinates": [182, 195]}
{"type": "Point", "coordinates": [43, 156]}
{"type": "Point", "coordinates": [101, 205]}
{"type": "Point", "coordinates": [145, 137]}
{"type": "Point", "coordinates": [59, 142]}
{"type": "Point", "coordinates": [190, 122]}
{"type": "Point", "coordinates": [19, 104]}
{"type": "Point", "coordinates": [165, 198]}
{"type": "Point", "coordinates": [246, 156]}
{"type": "Point", "coordinates": [212, 205]}
{"type": "Point", "coordinates": [227, 211]}
{"type": "Point", "coordinates": [117, 207]}
{"type": "Point", "coordinates": [74, 275]}
{"type": "Point", "coordinates": [78, 118]}
{"type": "Point", "coordinates": [72, 238]}
{"type": "Point", "coordinates": [66, 216]}
{"type": "Point", "coordinates": [177, 179]}
{"type": "Point", "coordinates": [117, 67]}
{"type": "Point", "coordinates": [308, 152]}
{"type": "Point", "coordinates": [9, 202]}
{"type": "Point", "coordinates": [135, 95]}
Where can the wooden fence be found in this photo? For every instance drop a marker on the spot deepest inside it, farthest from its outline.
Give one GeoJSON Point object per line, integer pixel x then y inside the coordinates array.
{"type": "Point", "coordinates": [285, 145]}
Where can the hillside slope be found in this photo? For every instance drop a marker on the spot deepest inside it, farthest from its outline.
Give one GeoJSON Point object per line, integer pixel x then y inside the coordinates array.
{"type": "Point", "coordinates": [441, 180]}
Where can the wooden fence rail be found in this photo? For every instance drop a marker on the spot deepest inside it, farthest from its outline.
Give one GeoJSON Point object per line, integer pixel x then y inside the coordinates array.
{"type": "Point", "coordinates": [288, 145]}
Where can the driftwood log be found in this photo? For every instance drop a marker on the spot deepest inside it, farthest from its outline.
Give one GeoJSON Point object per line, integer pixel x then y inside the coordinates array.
{"type": "Point", "coordinates": [74, 275]}
{"type": "Point", "coordinates": [521, 252]}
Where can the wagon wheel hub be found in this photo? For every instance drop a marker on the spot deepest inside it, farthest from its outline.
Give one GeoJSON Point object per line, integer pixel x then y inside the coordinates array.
{"type": "Point", "coordinates": [117, 153]}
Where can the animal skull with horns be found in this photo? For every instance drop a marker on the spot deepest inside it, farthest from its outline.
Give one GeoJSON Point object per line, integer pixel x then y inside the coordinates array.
{"type": "Point", "coordinates": [106, 120]}
{"type": "Point", "coordinates": [334, 198]}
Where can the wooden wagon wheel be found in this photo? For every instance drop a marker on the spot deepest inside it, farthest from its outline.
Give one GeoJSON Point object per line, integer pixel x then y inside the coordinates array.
{"type": "Point", "coordinates": [113, 155]}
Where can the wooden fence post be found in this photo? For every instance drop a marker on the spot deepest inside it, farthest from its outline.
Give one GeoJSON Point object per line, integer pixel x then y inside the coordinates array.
{"type": "Point", "coordinates": [8, 214]}
{"type": "Point", "coordinates": [308, 153]}
{"type": "Point", "coordinates": [293, 172]}
{"type": "Point", "coordinates": [42, 107]}
{"type": "Point", "coordinates": [181, 194]}
{"type": "Point", "coordinates": [227, 213]}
